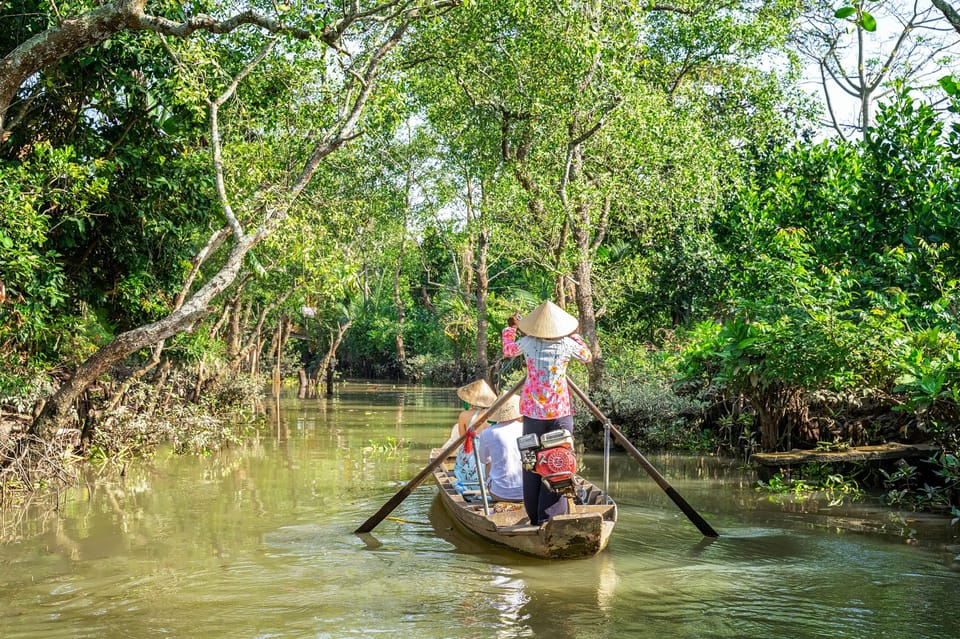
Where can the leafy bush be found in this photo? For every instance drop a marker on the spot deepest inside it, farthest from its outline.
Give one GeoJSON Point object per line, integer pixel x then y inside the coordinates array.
{"type": "Point", "coordinates": [814, 480]}
{"type": "Point", "coordinates": [50, 188]}
{"type": "Point", "coordinates": [930, 382]}
{"type": "Point", "coordinates": [20, 390]}
{"type": "Point", "coordinates": [907, 485]}
{"type": "Point", "coordinates": [438, 369]}
{"type": "Point", "coordinates": [640, 398]}
{"type": "Point", "coordinates": [146, 419]}
{"type": "Point", "coordinates": [843, 277]}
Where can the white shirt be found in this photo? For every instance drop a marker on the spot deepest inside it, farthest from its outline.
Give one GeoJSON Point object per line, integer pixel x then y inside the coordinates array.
{"type": "Point", "coordinates": [497, 445]}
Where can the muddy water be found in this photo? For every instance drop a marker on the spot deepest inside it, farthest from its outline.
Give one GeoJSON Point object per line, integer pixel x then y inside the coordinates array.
{"type": "Point", "coordinates": [256, 542]}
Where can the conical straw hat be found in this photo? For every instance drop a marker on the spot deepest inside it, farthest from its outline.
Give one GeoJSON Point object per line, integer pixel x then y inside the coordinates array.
{"type": "Point", "coordinates": [548, 321]}
{"type": "Point", "coordinates": [508, 411]}
{"type": "Point", "coordinates": [477, 393]}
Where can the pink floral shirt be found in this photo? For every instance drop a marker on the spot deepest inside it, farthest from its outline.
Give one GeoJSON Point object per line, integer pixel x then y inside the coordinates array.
{"type": "Point", "coordinates": [545, 394]}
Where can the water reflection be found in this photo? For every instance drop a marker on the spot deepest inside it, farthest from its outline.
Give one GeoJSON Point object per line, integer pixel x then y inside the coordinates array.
{"type": "Point", "coordinates": [257, 542]}
{"type": "Point", "coordinates": [534, 597]}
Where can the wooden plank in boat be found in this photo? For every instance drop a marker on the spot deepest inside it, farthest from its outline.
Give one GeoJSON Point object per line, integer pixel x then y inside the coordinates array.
{"type": "Point", "coordinates": [519, 529]}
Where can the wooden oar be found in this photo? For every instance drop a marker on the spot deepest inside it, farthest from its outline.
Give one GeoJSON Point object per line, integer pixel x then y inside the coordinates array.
{"type": "Point", "coordinates": [687, 509]}
{"type": "Point", "coordinates": [402, 494]}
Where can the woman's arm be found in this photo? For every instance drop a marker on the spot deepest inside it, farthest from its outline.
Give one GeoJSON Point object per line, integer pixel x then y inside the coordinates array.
{"type": "Point", "coordinates": [509, 337]}
{"type": "Point", "coordinates": [579, 348]}
{"type": "Point", "coordinates": [465, 419]}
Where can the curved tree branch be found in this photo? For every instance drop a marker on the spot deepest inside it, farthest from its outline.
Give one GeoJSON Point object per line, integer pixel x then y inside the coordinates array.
{"type": "Point", "coordinates": [203, 22]}
{"type": "Point", "coordinates": [92, 28]}
{"type": "Point", "coordinates": [215, 136]}
{"type": "Point", "coordinates": [949, 12]}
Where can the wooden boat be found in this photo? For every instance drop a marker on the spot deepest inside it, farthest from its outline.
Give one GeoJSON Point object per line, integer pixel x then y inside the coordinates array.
{"type": "Point", "coordinates": [582, 533]}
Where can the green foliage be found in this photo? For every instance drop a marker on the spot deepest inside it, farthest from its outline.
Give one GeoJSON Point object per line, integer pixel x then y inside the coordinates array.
{"type": "Point", "coordinates": [640, 397]}
{"type": "Point", "coordinates": [929, 379]}
{"type": "Point", "coordinates": [21, 389]}
{"type": "Point", "coordinates": [814, 480]}
{"type": "Point", "coordinates": [51, 190]}
{"type": "Point", "coordinates": [514, 82]}
{"type": "Point", "coordinates": [906, 485]}
{"type": "Point", "coordinates": [104, 200]}
{"type": "Point", "coordinates": [196, 346]}
{"type": "Point", "coordinates": [842, 272]}
{"type": "Point", "coordinates": [856, 14]}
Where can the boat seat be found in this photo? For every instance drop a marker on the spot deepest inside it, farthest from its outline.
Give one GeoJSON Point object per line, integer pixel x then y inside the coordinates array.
{"type": "Point", "coordinates": [523, 528]}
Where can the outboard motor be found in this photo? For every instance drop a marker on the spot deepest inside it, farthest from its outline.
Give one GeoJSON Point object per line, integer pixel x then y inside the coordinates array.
{"type": "Point", "coordinates": [551, 456]}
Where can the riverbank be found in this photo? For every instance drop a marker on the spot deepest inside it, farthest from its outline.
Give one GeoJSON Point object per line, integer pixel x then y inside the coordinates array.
{"type": "Point", "coordinates": [125, 432]}
{"type": "Point", "coordinates": [115, 433]}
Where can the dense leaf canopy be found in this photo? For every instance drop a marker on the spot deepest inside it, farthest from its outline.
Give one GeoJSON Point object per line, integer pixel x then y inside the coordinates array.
{"type": "Point", "coordinates": [374, 187]}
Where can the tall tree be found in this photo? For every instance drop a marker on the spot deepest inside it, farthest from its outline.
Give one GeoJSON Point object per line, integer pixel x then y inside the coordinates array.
{"type": "Point", "coordinates": [558, 90]}
{"type": "Point", "coordinates": [92, 24]}
{"type": "Point", "coordinates": [250, 210]}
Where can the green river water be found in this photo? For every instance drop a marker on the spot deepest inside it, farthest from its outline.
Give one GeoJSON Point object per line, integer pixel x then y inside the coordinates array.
{"type": "Point", "coordinates": [256, 542]}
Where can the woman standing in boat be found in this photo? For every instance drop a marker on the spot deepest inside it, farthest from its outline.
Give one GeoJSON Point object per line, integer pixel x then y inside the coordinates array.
{"type": "Point", "coordinates": [549, 342]}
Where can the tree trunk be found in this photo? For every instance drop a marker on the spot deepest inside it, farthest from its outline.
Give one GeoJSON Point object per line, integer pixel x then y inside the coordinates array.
{"type": "Point", "coordinates": [331, 371]}
{"type": "Point", "coordinates": [304, 384]}
{"type": "Point", "coordinates": [57, 413]}
{"type": "Point", "coordinates": [255, 355]}
{"type": "Point", "coordinates": [587, 314]}
{"type": "Point", "coordinates": [158, 383]}
{"type": "Point", "coordinates": [328, 365]}
{"type": "Point", "coordinates": [483, 287]}
{"type": "Point", "coordinates": [234, 330]}
{"type": "Point", "coordinates": [241, 351]}
{"type": "Point", "coordinates": [198, 386]}
{"type": "Point", "coordinates": [277, 378]}
{"type": "Point", "coordinates": [779, 411]}
{"type": "Point", "coordinates": [466, 280]}
{"type": "Point", "coordinates": [397, 297]}
{"type": "Point", "coordinates": [578, 209]}
{"type": "Point", "coordinates": [560, 267]}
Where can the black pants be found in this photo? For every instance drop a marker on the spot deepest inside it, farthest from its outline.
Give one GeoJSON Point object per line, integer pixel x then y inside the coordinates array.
{"type": "Point", "coordinates": [539, 501]}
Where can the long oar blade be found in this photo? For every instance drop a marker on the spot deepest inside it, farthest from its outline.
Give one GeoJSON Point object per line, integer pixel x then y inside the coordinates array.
{"type": "Point", "coordinates": [404, 492]}
{"type": "Point", "coordinates": [687, 509]}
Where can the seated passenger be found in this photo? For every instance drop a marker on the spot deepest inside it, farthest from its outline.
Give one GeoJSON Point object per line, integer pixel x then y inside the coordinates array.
{"type": "Point", "coordinates": [477, 397]}
{"type": "Point", "coordinates": [497, 445]}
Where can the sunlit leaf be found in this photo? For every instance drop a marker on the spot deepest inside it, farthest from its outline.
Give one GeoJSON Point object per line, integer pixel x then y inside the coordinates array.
{"type": "Point", "coordinates": [949, 84]}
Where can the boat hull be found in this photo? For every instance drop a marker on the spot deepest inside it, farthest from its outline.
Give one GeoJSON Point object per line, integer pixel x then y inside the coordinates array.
{"type": "Point", "coordinates": [582, 533]}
